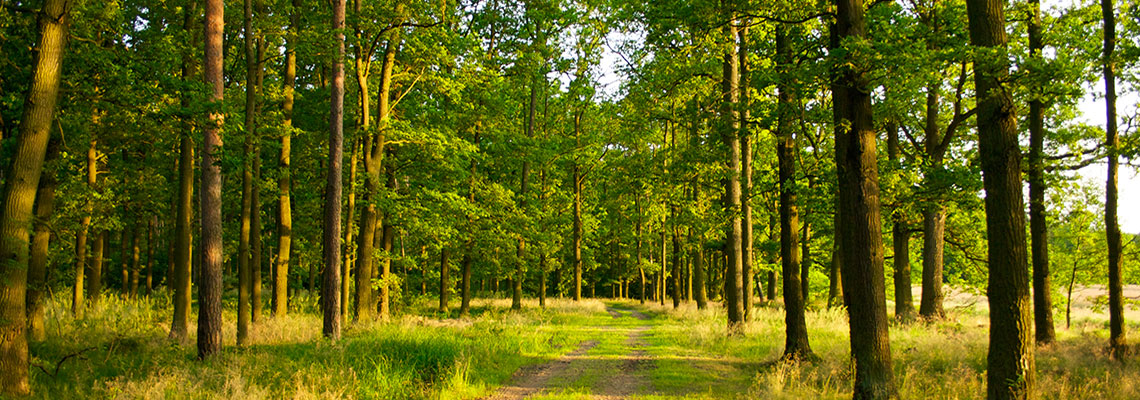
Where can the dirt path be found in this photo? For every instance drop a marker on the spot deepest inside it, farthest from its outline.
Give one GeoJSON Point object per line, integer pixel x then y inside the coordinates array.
{"type": "Point", "coordinates": [616, 377]}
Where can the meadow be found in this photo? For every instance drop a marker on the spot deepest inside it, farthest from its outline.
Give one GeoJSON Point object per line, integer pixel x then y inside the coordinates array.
{"type": "Point", "coordinates": [594, 349]}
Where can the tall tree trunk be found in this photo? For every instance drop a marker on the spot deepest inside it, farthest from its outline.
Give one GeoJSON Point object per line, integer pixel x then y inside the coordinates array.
{"type": "Point", "coordinates": [95, 277]}
{"type": "Point", "coordinates": [362, 63]}
{"type": "Point", "coordinates": [255, 243]}
{"type": "Point", "coordinates": [210, 282]}
{"type": "Point", "coordinates": [347, 252]}
{"type": "Point", "coordinates": [151, 236]}
{"type": "Point", "coordinates": [284, 174]}
{"type": "Point", "coordinates": [746, 288]}
{"type": "Point", "coordinates": [732, 202]}
{"type": "Point", "coordinates": [640, 266]}
{"type": "Point", "coordinates": [124, 260]}
{"type": "Point", "coordinates": [465, 285]}
{"type": "Point", "coordinates": [900, 236]}
{"type": "Point", "coordinates": [676, 260]}
{"type": "Point", "coordinates": [796, 345]}
{"type": "Point", "coordinates": [806, 258]}
{"type": "Point", "coordinates": [701, 288]}
{"type": "Point", "coordinates": [255, 246]}
{"type": "Point", "coordinates": [1038, 219]}
{"type": "Point", "coordinates": [835, 295]}
{"type": "Point", "coordinates": [38, 261]}
{"type": "Point", "coordinates": [862, 248]}
{"type": "Point", "coordinates": [81, 264]}
{"type": "Point", "coordinates": [135, 265]}
{"type": "Point", "coordinates": [444, 278]}
{"type": "Point", "coordinates": [1011, 370]}
{"type": "Point", "coordinates": [385, 266]}
{"type": "Point", "coordinates": [661, 274]}
{"type": "Point", "coordinates": [773, 256]}
{"type": "Point", "coordinates": [330, 293]}
{"type": "Point", "coordinates": [20, 186]}
{"type": "Point", "coordinates": [520, 270]}
{"type": "Point", "coordinates": [933, 217]}
{"type": "Point", "coordinates": [370, 217]}
{"type": "Point", "coordinates": [243, 259]}
{"type": "Point", "coordinates": [1116, 334]}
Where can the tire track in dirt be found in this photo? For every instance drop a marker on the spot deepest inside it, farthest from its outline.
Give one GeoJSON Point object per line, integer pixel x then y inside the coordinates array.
{"type": "Point", "coordinates": [625, 376]}
{"type": "Point", "coordinates": [531, 380]}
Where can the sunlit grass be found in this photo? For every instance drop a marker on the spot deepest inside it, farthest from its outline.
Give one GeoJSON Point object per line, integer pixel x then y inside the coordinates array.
{"type": "Point", "coordinates": [121, 350]}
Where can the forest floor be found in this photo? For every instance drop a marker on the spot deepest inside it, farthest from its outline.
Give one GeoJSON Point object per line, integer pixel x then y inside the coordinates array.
{"type": "Point", "coordinates": [591, 349]}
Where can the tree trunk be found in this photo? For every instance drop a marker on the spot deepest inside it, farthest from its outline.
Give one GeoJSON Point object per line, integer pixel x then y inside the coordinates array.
{"type": "Point", "coordinates": [284, 177]}
{"type": "Point", "coordinates": [444, 278]}
{"type": "Point", "coordinates": [732, 199]}
{"type": "Point", "coordinates": [95, 277]}
{"type": "Point", "coordinates": [370, 217]}
{"type": "Point", "coordinates": [1038, 219]}
{"type": "Point", "coordinates": [330, 293]}
{"type": "Point", "coordinates": [1011, 370]}
{"type": "Point", "coordinates": [1111, 189]}
{"type": "Point", "coordinates": [135, 266]}
{"type": "Point", "coordinates": [81, 264]}
{"type": "Point", "coordinates": [243, 259]}
{"type": "Point", "coordinates": [862, 248]}
{"type": "Point", "coordinates": [38, 260]}
{"type": "Point", "coordinates": [900, 237]}
{"type": "Point", "coordinates": [640, 266]}
{"type": "Point", "coordinates": [124, 260]}
{"type": "Point", "coordinates": [347, 252]}
{"type": "Point", "coordinates": [746, 288]}
{"type": "Point", "coordinates": [805, 253]}
{"type": "Point", "coordinates": [255, 196]}
{"type": "Point", "coordinates": [701, 289]}
{"type": "Point", "coordinates": [796, 345]}
{"type": "Point", "coordinates": [465, 286]}
{"type": "Point", "coordinates": [150, 238]}
{"type": "Point", "coordinates": [210, 282]}
{"type": "Point", "coordinates": [934, 229]}
{"type": "Point", "coordinates": [835, 272]}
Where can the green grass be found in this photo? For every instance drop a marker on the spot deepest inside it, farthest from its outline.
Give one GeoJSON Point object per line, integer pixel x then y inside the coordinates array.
{"type": "Point", "coordinates": [123, 352]}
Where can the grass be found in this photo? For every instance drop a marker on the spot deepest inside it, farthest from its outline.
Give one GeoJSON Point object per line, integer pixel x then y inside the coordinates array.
{"type": "Point", "coordinates": [120, 350]}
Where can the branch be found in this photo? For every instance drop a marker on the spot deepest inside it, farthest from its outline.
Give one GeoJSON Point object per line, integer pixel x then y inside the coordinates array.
{"type": "Point", "coordinates": [770, 18]}
{"type": "Point", "coordinates": [910, 137]}
{"type": "Point", "coordinates": [409, 24]}
{"type": "Point", "coordinates": [60, 363]}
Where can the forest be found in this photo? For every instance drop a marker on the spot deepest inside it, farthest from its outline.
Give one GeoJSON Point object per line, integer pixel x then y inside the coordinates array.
{"type": "Point", "coordinates": [569, 199]}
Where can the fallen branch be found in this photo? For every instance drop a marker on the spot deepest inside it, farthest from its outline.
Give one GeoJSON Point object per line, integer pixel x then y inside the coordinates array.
{"type": "Point", "coordinates": [60, 363]}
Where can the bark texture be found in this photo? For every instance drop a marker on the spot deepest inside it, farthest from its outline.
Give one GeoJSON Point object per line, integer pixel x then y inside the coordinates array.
{"type": "Point", "coordinates": [1011, 370]}
{"type": "Point", "coordinates": [20, 186]}
{"type": "Point", "coordinates": [862, 247]}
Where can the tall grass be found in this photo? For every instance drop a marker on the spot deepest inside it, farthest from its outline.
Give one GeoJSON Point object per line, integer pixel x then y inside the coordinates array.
{"type": "Point", "coordinates": [120, 350]}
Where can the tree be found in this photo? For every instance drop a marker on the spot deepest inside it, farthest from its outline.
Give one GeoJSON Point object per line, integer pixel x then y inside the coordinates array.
{"type": "Point", "coordinates": [284, 161]}
{"type": "Point", "coordinates": [796, 345]}
{"type": "Point", "coordinates": [244, 272]}
{"type": "Point", "coordinates": [20, 186]}
{"type": "Point", "coordinates": [862, 247]}
{"type": "Point", "coordinates": [1111, 190]}
{"type": "Point", "coordinates": [1010, 372]}
{"type": "Point", "coordinates": [185, 207]}
{"type": "Point", "coordinates": [730, 126]}
{"type": "Point", "coordinates": [38, 260]}
{"type": "Point", "coordinates": [210, 286]}
{"type": "Point", "coordinates": [1038, 219]}
{"type": "Point", "coordinates": [330, 288]}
